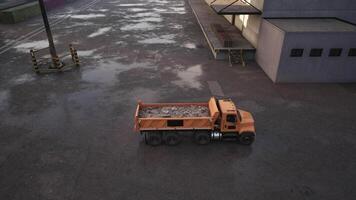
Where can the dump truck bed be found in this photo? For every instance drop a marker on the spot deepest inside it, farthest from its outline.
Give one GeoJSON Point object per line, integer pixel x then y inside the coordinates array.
{"type": "Point", "coordinates": [176, 116]}
{"type": "Point", "coordinates": [174, 111]}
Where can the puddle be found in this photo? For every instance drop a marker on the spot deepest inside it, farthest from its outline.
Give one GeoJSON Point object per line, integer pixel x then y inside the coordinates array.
{"type": "Point", "coordinates": [8, 41]}
{"type": "Point", "coordinates": [143, 14]}
{"type": "Point", "coordinates": [164, 39]}
{"type": "Point", "coordinates": [160, 10]}
{"type": "Point", "coordinates": [107, 71]}
{"type": "Point", "coordinates": [88, 16]}
{"type": "Point", "coordinates": [86, 53]}
{"type": "Point", "coordinates": [177, 9]}
{"type": "Point", "coordinates": [97, 57]}
{"type": "Point", "coordinates": [33, 24]}
{"type": "Point", "coordinates": [131, 4]}
{"type": "Point", "coordinates": [158, 1]}
{"type": "Point", "coordinates": [126, 36]}
{"type": "Point", "coordinates": [295, 104]}
{"type": "Point", "coordinates": [119, 13]}
{"type": "Point", "coordinates": [144, 26]}
{"type": "Point", "coordinates": [173, 10]}
{"type": "Point", "coordinates": [101, 74]}
{"type": "Point", "coordinates": [25, 78]}
{"type": "Point", "coordinates": [4, 96]}
{"type": "Point", "coordinates": [103, 10]}
{"type": "Point", "coordinates": [26, 47]}
{"type": "Point", "coordinates": [120, 42]}
{"type": "Point", "coordinates": [137, 9]}
{"type": "Point", "coordinates": [144, 95]}
{"type": "Point", "coordinates": [189, 45]}
{"type": "Point", "coordinates": [100, 31]}
{"type": "Point", "coordinates": [189, 77]}
{"type": "Point", "coordinates": [96, 10]}
{"type": "Point", "coordinates": [178, 4]}
{"type": "Point", "coordinates": [177, 26]}
{"type": "Point", "coordinates": [149, 19]}
{"type": "Point", "coordinates": [76, 24]}
{"type": "Point", "coordinates": [46, 56]}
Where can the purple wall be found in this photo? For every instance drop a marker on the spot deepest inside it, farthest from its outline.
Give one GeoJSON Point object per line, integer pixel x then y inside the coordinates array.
{"type": "Point", "coordinates": [50, 4]}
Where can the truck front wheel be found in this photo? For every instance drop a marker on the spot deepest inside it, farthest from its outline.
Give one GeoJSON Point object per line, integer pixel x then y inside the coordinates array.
{"type": "Point", "coordinates": [202, 138]}
{"type": "Point", "coordinates": [247, 138]}
{"type": "Point", "coordinates": [153, 138]}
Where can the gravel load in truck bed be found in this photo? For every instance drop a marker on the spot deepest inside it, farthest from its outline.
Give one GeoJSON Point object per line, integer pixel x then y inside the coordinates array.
{"type": "Point", "coordinates": [174, 111]}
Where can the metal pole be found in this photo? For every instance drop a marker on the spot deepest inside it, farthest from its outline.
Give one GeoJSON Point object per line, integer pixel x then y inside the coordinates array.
{"type": "Point", "coordinates": [52, 49]}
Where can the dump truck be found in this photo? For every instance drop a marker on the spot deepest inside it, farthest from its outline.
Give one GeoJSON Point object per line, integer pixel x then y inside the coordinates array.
{"type": "Point", "coordinates": [217, 119]}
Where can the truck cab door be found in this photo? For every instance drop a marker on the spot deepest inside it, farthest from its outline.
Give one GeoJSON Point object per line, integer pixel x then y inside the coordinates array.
{"type": "Point", "coordinates": [229, 123]}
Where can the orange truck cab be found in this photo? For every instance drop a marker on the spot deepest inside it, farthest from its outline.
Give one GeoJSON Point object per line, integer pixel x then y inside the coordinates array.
{"type": "Point", "coordinates": [221, 120]}
{"type": "Point", "coordinates": [234, 122]}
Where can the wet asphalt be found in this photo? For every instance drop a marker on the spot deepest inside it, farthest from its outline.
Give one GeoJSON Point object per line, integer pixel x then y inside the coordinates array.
{"type": "Point", "coordinates": [70, 135]}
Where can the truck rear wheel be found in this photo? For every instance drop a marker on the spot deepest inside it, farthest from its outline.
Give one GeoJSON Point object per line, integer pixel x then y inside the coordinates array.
{"type": "Point", "coordinates": [247, 138]}
{"type": "Point", "coordinates": [153, 138]}
{"type": "Point", "coordinates": [202, 138]}
{"type": "Point", "coordinates": [171, 138]}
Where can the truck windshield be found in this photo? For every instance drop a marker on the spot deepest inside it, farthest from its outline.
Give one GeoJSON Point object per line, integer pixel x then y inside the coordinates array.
{"type": "Point", "coordinates": [231, 118]}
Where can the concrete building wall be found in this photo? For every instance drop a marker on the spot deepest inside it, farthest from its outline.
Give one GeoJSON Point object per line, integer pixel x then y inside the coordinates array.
{"type": "Point", "coordinates": [274, 44]}
{"type": "Point", "coordinates": [343, 9]}
{"type": "Point", "coordinates": [317, 69]}
{"type": "Point", "coordinates": [270, 45]}
{"type": "Point", "coordinates": [249, 25]}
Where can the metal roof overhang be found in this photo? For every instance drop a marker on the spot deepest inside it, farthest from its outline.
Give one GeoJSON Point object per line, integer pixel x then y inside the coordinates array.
{"type": "Point", "coordinates": [235, 7]}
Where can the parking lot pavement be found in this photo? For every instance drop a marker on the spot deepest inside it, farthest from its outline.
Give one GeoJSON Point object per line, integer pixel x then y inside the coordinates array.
{"type": "Point", "coordinates": [70, 135]}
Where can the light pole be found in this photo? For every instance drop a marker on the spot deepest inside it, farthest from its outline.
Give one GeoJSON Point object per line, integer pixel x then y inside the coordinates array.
{"type": "Point", "coordinates": [52, 49]}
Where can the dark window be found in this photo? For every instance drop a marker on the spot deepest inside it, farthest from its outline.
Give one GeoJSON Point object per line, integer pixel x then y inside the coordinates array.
{"type": "Point", "coordinates": [352, 52]}
{"type": "Point", "coordinates": [231, 118]}
{"type": "Point", "coordinates": [175, 123]}
{"type": "Point", "coordinates": [335, 52]}
{"type": "Point", "coordinates": [296, 53]}
{"type": "Point", "coordinates": [316, 52]}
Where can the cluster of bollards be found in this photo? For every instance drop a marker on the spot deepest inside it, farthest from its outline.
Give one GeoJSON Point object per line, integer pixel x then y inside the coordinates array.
{"type": "Point", "coordinates": [57, 65]}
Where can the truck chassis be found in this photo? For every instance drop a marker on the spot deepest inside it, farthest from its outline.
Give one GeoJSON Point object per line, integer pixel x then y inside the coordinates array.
{"type": "Point", "coordinates": [201, 137]}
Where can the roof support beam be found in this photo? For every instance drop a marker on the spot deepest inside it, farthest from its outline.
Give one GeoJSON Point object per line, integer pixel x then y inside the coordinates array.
{"type": "Point", "coordinates": [235, 7]}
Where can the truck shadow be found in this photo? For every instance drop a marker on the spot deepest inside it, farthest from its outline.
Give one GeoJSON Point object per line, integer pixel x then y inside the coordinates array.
{"type": "Point", "coordinates": [187, 150]}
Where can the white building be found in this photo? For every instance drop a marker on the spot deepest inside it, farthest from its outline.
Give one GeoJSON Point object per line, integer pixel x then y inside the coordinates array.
{"type": "Point", "coordinates": [298, 40]}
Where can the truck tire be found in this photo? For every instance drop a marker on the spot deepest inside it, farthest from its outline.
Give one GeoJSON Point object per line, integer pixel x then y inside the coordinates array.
{"type": "Point", "coordinates": [202, 138]}
{"type": "Point", "coordinates": [171, 138]}
{"type": "Point", "coordinates": [145, 136]}
{"type": "Point", "coordinates": [247, 138]}
{"type": "Point", "coordinates": [154, 138]}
